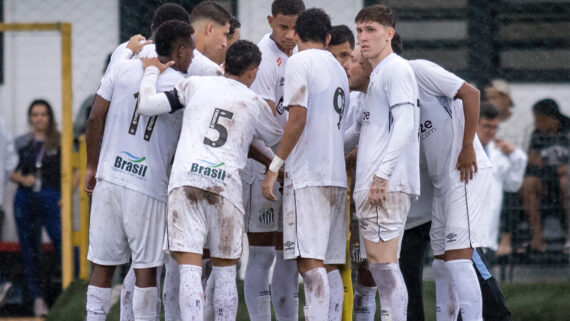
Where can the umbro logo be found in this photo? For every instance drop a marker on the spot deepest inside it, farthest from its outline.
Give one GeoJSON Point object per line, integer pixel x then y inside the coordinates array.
{"type": "Point", "coordinates": [289, 245]}
{"type": "Point", "coordinates": [451, 237]}
{"type": "Point", "coordinates": [363, 225]}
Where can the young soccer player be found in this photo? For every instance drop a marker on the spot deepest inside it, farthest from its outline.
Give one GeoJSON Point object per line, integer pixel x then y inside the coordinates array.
{"type": "Point", "coordinates": [387, 170]}
{"type": "Point", "coordinates": [264, 218]}
{"type": "Point", "coordinates": [314, 198]}
{"type": "Point", "coordinates": [342, 43]}
{"type": "Point", "coordinates": [126, 171]}
{"type": "Point", "coordinates": [221, 118]}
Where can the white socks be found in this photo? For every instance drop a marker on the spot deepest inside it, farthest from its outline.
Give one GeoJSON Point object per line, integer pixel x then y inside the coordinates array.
{"type": "Point", "coordinates": [127, 290]}
{"type": "Point", "coordinates": [393, 292]}
{"type": "Point", "coordinates": [256, 282]}
{"type": "Point", "coordinates": [317, 294]}
{"type": "Point", "coordinates": [170, 290]}
{"type": "Point", "coordinates": [336, 295]}
{"type": "Point", "coordinates": [447, 303]}
{"type": "Point", "coordinates": [144, 303]}
{"type": "Point", "coordinates": [364, 303]}
{"type": "Point", "coordinates": [98, 303]}
{"type": "Point", "coordinates": [191, 295]}
{"type": "Point", "coordinates": [225, 293]}
{"type": "Point", "coordinates": [468, 290]}
{"type": "Point", "coordinates": [285, 288]}
{"type": "Point", "coordinates": [209, 298]}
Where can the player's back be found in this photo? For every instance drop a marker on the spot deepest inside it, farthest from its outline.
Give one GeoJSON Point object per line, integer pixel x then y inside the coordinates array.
{"type": "Point", "coordinates": [316, 81]}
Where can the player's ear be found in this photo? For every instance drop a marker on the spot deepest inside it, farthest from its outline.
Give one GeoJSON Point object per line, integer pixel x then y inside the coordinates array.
{"type": "Point", "coordinates": [327, 40]}
{"type": "Point", "coordinates": [209, 28]}
{"type": "Point", "coordinates": [269, 20]}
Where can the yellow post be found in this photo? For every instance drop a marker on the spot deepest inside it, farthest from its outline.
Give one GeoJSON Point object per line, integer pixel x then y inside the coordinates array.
{"type": "Point", "coordinates": [346, 271]}
{"type": "Point", "coordinates": [66, 156]}
{"type": "Point", "coordinates": [83, 213]}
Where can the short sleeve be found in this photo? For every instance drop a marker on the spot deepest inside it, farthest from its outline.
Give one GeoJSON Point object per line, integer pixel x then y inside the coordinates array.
{"type": "Point", "coordinates": [267, 128]}
{"type": "Point", "coordinates": [107, 86]}
{"type": "Point", "coordinates": [184, 89]}
{"type": "Point", "coordinates": [434, 80]}
{"type": "Point", "coordinates": [297, 74]}
{"type": "Point", "coordinates": [266, 80]}
{"type": "Point", "coordinates": [400, 86]}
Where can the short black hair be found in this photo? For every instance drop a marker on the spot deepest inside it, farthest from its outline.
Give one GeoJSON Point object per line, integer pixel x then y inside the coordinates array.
{"type": "Point", "coordinates": [341, 34]}
{"type": "Point", "coordinates": [234, 24]}
{"type": "Point", "coordinates": [488, 111]}
{"type": "Point", "coordinates": [210, 10]}
{"type": "Point", "coordinates": [287, 7]}
{"type": "Point", "coordinates": [241, 56]}
{"type": "Point", "coordinates": [377, 13]}
{"type": "Point", "coordinates": [313, 25]}
{"type": "Point", "coordinates": [397, 44]}
{"type": "Point", "coordinates": [168, 11]}
{"type": "Point", "coordinates": [168, 35]}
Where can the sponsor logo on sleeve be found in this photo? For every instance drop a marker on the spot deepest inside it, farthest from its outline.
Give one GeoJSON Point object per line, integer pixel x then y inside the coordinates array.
{"type": "Point", "coordinates": [130, 164]}
{"type": "Point", "coordinates": [213, 170]}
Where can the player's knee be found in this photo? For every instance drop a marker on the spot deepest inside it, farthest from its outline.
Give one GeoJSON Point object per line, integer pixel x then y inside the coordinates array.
{"type": "Point", "coordinates": [304, 265]}
{"type": "Point", "coordinates": [101, 275]}
{"type": "Point", "coordinates": [365, 278]}
{"type": "Point", "coordinates": [145, 278]}
{"type": "Point", "coordinates": [216, 261]}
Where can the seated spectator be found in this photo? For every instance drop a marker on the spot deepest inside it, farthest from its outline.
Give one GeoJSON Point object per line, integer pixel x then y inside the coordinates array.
{"type": "Point", "coordinates": [547, 169]}
{"type": "Point", "coordinates": [509, 165]}
{"type": "Point", "coordinates": [36, 202]}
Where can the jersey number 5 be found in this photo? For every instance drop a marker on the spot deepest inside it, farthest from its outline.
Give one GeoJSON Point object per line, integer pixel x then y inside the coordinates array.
{"type": "Point", "coordinates": [135, 122]}
{"type": "Point", "coordinates": [223, 131]}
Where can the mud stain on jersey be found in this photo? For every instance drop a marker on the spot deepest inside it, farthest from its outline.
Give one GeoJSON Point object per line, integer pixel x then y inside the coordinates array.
{"type": "Point", "coordinates": [298, 96]}
{"type": "Point", "coordinates": [226, 235]}
{"type": "Point", "coordinates": [194, 194]}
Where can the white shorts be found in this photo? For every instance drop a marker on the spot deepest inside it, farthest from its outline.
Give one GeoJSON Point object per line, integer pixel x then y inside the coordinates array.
{"type": "Point", "coordinates": [261, 215]}
{"type": "Point", "coordinates": [196, 217]}
{"type": "Point", "coordinates": [315, 223]}
{"type": "Point", "coordinates": [458, 214]}
{"type": "Point", "coordinates": [125, 224]}
{"type": "Point", "coordinates": [383, 222]}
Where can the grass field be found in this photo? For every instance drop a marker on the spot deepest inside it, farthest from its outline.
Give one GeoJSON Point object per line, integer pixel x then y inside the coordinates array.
{"type": "Point", "coordinates": [527, 302]}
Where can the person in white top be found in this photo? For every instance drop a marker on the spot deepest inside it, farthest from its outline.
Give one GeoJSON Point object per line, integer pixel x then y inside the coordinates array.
{"type": "Point", "coordinates": [264, 218]}
{"type": "Point", "coordinates": [387, 168]}
{"type": "Point", "coordinates": [211, 22]}
{"type": "Point", "coordinates": [221, 118]}
{"type": "Point", "coordinates": [128, 173]}
{"type": "Point", "coordinates": [314, 196]}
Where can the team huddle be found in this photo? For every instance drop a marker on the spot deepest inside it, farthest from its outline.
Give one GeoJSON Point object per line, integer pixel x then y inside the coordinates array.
{"type": "Point", "coordinates": [196, 138]}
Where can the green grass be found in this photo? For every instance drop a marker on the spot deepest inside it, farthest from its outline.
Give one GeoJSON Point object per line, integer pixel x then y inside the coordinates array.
{"type": "Point", "coordinates": [535, 301]}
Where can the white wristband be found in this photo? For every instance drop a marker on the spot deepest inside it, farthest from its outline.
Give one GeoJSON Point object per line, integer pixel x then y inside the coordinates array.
{"type": "Point", "coordinates": [276, 164]}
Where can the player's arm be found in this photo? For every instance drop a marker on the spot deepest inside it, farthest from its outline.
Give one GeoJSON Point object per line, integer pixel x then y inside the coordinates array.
{"type": "Point", "coordinates": [467, 160]}
{"type": "Point", "coordinates": [260, 152]}
{"type": "Point", "coordinates": [351, 136]}
{"type": "Point", "coordinates": [93, 138]}
{"type": "Point", "coordinates": [152, 103]}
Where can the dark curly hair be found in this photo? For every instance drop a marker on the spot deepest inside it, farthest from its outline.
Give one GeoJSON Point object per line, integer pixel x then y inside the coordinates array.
{"type": "Point", "coordinates": [241, 56]}
{"type": "Point", "coordinates": [287, 7]}
{"type": "Point", "coordinates": [169, 34]}
{"type": "Point", "coordinates": [166, 12]}
{"type": "Point", "coordinates": [313, 25]}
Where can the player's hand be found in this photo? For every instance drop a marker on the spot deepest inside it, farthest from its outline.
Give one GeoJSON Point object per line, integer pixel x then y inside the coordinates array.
{"type": "Point", "coordinates": [466, 163]}
{"type": "Point", "coordinates": [505, 147]}
{"type": "Point", "coordinates": [90, 181]}
{"type": "Point", "coordinates": [378, 189]}
{"type": "Point", "coordinates": [267, 186]}
{"type": "Point", "coordinates": [28, 180]}
{"type": "Point", "coordinates": [137, 42]}
{"type": "Point", "coordinates": [147, 62]}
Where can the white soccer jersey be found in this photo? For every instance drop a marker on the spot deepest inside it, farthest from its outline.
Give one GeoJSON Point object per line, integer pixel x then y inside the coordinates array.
{"type": "Point", "coordinates": [355, 107]}
{"type": "Point", "coordinates": [122, 53]}
{"type": "Point", "coordinates": [203, 66]}
{"type": "Point", "coordinates": [315, 80]}
{"type": "Point", "coordinates": [392, 84]}
{"type": "Point", "coordinates": [137, 150]}
{"type": "Point", "coordinates": [221, 118]}
{"type": "Point", "coordinates": [442, 122]}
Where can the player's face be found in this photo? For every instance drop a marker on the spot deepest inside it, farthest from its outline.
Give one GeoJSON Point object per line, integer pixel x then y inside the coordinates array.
{"type": "Point", "coordinates": [341, 52]}
{"type": "Point", "coordinates": [374, 38]}
{"type": "Point", "coordinates": [358, 70]}
{"type": "Point", "coordinates": [283, 31]}
{"type": "Point", "coordinates": [218, 42]}
{"type": "Point", "coordinates": [487, 129]}
{"type": "Point", "coordinates": [497, 99]}
{"type": "Point", "coordinates": [185, 56]}
{"type": "Point", "coordinates": [39, 118]}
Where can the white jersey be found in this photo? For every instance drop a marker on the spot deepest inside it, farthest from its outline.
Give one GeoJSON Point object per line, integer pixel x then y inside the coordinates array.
{"type": "Point", "coordinates": [442, 118]}
{"type": "Point", "coordinates": [203, 66]}
{"type": "Point", "coordinates": [268, 84]}
{"type": "Point", "coordinates": [315, 80]}
{"type": "Point", "coordinates": [137, 150]}
{"type": "Point", "coordinates": [122, 53]}
{"type": "Point", "coordinates": [392, 84]}
{"type": "Point", "coordinates": [221, 118]}
{"type": "Point", "coordinates": [355, 107]}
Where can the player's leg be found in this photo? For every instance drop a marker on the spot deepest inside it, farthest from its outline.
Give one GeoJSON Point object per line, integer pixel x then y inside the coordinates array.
{"type": "Point", "coordinates": [285, 280]}
{"type": "Point", "coordinates": [171, 289]}
{"type": "Point", "coordinates": [365, 294]}
{"type": "Point", "coordinates": [494, 304]}
{"type": "Point", "coordinates": [381, 228]}
{"type": "Point", "coordinates": [127, 289]}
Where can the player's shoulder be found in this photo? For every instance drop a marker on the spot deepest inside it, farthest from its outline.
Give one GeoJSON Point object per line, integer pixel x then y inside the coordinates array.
{"type": "Point", "coordinates": [422, 66]}
{"type": "Point", "coordinates": [395, 62]}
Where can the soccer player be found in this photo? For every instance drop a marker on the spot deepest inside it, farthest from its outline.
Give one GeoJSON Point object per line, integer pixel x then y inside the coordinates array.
{"type": "Point", "coordinates": [314, 197]}
{"type": "Point", "coordinates": [342, 43]}
{"type": "Point", "coordinates": [127, 175]}
{"type": "Point", "coordinates": [264, 218]}
{"type": "Point", "coordinates": [221, 117]}
{"type": "Point", "coordinates": [387, 170]}
{"type": "Point", "coordinates": [234, 34]}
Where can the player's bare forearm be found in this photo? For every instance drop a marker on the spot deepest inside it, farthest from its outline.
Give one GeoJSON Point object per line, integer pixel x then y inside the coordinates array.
{"type": "Point", "coordinates": [467, 160]}
{"type": "Point", "coordinates": [293, 130]}
{"type": "Point", "coordinates": [259, 156]}
{"type": "Point", "coordinates": [273, 107]}
{"type": "Point", "coordinates": [95, 129]}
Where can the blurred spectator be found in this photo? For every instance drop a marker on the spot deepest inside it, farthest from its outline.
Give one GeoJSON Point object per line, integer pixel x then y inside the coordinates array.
{"type": "Point", "coordinates": [547, 170]}
{"type": "Point", "coordinates": [36, 202]}
{"type": "Point", "coordinates": [513, 128]}
{"type": "Point", "coordinates": [8, 162]}
{"type": "Point", "coordinates": [509, 165]}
